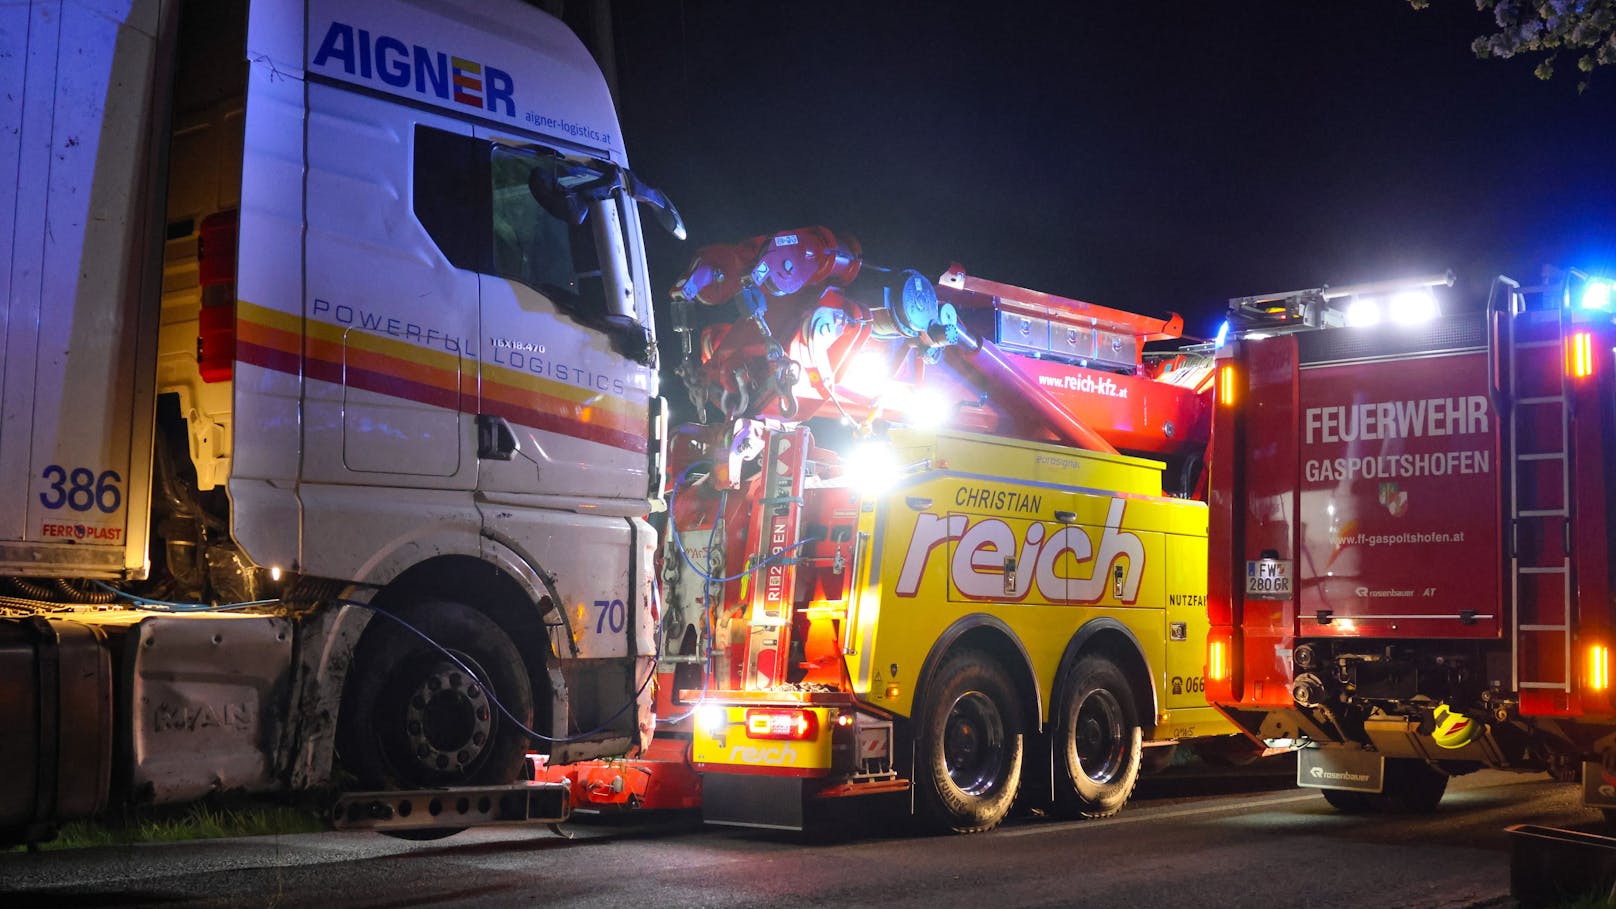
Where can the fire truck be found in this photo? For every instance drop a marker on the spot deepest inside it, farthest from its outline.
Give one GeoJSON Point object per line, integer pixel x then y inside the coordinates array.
{"type": "Point", "coordinates": [1410, 551]}
{"type": "Point", "coordinates": [939, 538]}
{"type": "Point", "coordinates": [330, 416]}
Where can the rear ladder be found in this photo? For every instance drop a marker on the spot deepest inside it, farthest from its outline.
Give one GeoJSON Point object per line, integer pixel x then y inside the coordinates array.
{"type": "Point", "coordinates": [1537, 408]}
{"type": "Point", "coordinates": [778, 532]}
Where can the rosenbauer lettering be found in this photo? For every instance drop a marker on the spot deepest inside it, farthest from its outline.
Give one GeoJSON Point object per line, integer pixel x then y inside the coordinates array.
{"type": "Point", "coordinates": [978, 568]}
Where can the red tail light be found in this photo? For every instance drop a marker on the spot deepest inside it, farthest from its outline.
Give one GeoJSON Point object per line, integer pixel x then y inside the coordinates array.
{"type": "Point", "coordinates": [790, 723]}
{"type": "Point", "coordinates": [216, 267]}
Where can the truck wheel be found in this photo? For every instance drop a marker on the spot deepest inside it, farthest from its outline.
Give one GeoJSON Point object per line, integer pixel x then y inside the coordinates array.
{"type": "Point", "coordinates": [411, 718]}
{"type": "Point", "coordinates": [1347, 801]}
{"type": "Point", "coordinates": [1097, 740]}
{"type": "Point", "coordinates": [968, 753]}
{"type": "Point", "coordinates": [1412, 786]}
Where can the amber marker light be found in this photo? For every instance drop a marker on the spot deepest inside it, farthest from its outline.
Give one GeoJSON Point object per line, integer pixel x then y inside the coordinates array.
{"type": "Point", "coordinates": [1579, 352]}
{"type": "Point", "coordinates": [1217, 660]}
{"type": "Point", "coordinates": [1226, 381]}
{"type": "Point", "coordinates": [1598, 667]}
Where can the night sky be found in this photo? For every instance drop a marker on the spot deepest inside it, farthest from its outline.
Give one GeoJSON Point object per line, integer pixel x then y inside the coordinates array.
{"type": "Point", "coordinates": [1146, 156]}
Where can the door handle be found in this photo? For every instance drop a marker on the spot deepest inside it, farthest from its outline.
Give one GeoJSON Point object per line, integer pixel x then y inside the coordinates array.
{"type": "Point", "coordinates": [495, 439]}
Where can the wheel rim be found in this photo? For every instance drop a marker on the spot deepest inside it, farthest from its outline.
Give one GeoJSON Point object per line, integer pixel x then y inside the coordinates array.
{"type": "Point", "coordinates": [448, 723]}
{"type": "Point", "coordinates": [973, 743]}
{"type": "Point", "coordinates": [1101, 747]}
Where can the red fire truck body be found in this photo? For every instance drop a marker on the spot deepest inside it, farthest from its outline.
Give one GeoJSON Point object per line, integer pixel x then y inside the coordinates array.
{"type": "Point", "coordinates": [1410, 560]}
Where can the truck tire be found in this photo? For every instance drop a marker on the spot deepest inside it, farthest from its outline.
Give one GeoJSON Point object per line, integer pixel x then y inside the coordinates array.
{"type": "Point", "coordinates": [410, 717]}
{"type": "Point", "coordinates": [968, 746]}
{"type": "Point", "coordinates": [1098, 740]}
{"type": "Point", "coordinates": [1347, 801]}
{"type": "Point", "coordinates": [1411, 787]}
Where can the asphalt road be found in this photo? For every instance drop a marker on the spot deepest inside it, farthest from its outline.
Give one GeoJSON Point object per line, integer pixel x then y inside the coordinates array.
{"type": "Point", "coordinates": [1174, 846]}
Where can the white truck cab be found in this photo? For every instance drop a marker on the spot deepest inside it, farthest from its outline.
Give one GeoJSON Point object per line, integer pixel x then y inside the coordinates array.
{"type": "Point", "coordinates": [329, 357]}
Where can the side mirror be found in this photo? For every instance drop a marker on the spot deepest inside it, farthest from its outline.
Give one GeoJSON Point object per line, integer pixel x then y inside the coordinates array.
{"type": "Point", "coordinates": [569, 204]}
{"type": "Point", "coordinates": [558, 201]}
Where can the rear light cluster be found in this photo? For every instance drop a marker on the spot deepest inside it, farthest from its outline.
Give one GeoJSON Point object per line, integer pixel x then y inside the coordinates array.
{"type": "Point", "coordinates": [794, 724]}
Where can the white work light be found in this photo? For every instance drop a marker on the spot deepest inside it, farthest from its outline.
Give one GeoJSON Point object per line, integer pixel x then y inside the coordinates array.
{"type": "Point", "coordinates": [710, 718]}
{"type": "Point", "coordinates": [868, 374]}
{"type": "Point", "coordinates": [872, 469]}
{"type": "Point", "coordinates": [928, 409]}
{"type": "Point", "coordinates": [1363, 311]}
{"type": "Point", "coordinates": [1411, 307]}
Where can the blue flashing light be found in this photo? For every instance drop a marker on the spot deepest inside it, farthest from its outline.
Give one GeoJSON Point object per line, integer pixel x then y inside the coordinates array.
{"type": "Point", "coordinates": [1596, 294]}
{"type": "Point", "coordinates": [1222, 336]}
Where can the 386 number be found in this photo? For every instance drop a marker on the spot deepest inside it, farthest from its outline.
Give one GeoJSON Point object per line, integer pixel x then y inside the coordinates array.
{"type": "Point", "coordinates": [80, 489]}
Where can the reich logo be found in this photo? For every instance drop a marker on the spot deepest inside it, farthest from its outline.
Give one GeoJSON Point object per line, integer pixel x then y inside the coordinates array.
{"type": "Point", "coordinates": [419, 69]}
{"type": "Point", "coordinates": [990, 561]}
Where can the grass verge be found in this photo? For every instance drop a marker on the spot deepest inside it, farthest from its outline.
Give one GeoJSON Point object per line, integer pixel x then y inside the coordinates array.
{"type": "Point", "coordinates": [199, 821]}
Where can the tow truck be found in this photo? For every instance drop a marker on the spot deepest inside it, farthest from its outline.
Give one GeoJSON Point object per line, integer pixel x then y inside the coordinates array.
{"type": "Point", "coordinates": [936, 538]}
{"type": "Point", "coordinates": [1411, 549]}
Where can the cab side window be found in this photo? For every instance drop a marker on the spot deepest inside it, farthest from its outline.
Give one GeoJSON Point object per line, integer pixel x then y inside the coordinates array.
{"type": "Point", "coordinates": [451, 195]}
{"type": "Point", "coordinates": [472, 197]}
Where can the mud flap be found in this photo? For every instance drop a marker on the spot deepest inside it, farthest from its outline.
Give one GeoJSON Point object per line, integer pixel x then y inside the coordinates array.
{"type": "Point", "coordinates": [1598, 786]}
{"type": "Point", "coordinates": [1341, 768]}
{"type": "Point", "coordinates": [752, 800]}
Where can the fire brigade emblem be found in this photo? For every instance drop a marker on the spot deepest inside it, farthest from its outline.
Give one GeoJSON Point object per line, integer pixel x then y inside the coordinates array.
{"type": "Point", "coordinates": [1453, 730]}
{"type": "Point", "coordinates": [1395, 500]}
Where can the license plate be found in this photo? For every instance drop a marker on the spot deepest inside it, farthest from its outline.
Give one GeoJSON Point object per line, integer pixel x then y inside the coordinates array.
{"type": "Point", "coordinates": [1268, 579]}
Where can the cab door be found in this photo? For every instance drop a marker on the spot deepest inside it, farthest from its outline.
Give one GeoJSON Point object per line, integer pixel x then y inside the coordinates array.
{"type": "Point", "coordinates": [565, 389]}
{"type": "Point", "coordinates": [391, 319]}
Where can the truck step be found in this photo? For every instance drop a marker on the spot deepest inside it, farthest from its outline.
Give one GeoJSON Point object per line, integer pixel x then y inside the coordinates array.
{"type": "Point", "coordinates": [463, 806]}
